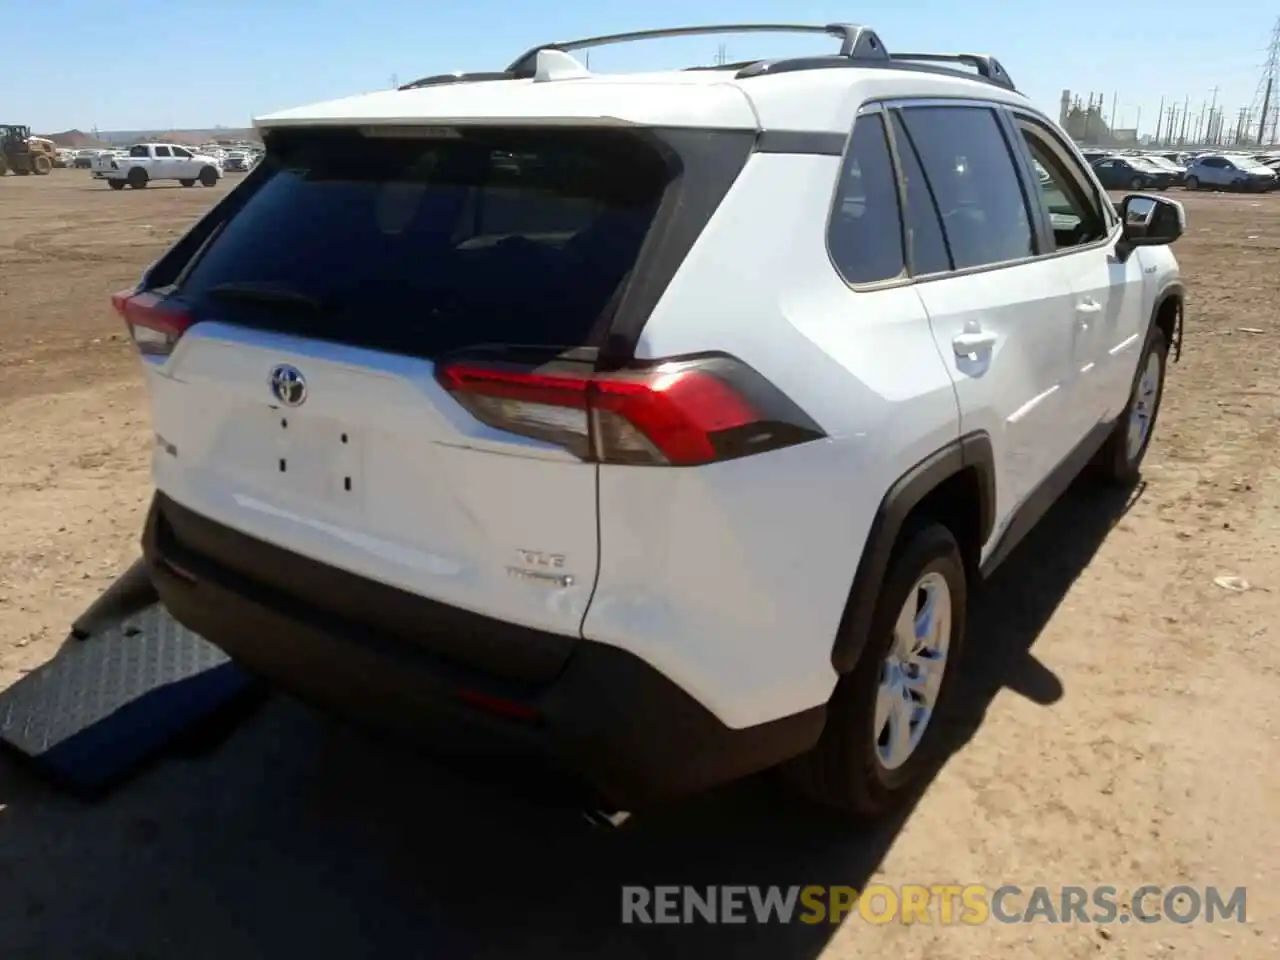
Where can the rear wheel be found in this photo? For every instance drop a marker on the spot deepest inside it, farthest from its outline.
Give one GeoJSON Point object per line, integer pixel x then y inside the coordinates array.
{"type": "Point", "coordinates": [1120, 459]}
{"type": "Point", "coordinates": [116, 184]}
{"type": "Point", "coordinates": [883, 724]}
{"type": "Point", "coordinates": [138, 178]}
{"type": "Point", "coordinates": [208, 177]}
{"type": "Point", "coordinates": [187, 183]}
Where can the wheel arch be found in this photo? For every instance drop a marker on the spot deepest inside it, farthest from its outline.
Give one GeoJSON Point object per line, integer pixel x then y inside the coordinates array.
{"type": "Point", "coordinates": [955, 486]}
{"type": "Point", "coordinates": [1166, 313]}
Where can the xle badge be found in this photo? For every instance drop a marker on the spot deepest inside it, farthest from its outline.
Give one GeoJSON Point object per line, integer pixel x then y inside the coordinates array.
{"type": "Point", "coordinates": [541, 567]}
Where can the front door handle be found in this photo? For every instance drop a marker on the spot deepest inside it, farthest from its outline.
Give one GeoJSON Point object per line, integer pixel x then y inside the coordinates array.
{"type": "Point", "coordinates": [1088, 307]}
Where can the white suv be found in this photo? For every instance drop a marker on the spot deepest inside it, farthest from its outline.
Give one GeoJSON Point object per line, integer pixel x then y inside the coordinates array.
{"type": "Point", "coordinates": [659, 423]}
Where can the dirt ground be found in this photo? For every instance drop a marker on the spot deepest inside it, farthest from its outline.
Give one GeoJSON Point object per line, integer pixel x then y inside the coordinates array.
{"type": "Point", "coordinates": [1120, 723]}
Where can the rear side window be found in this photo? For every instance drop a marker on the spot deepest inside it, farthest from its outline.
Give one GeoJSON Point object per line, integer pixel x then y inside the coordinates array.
{"type": "Point", "coordinates": [865, 233]}
{"type": "Point", "coordinates": [925, 243]}
{"type": "Point", "coordinates": [974, 181]}
{"type": "Point", "coordinates": [427, 243]}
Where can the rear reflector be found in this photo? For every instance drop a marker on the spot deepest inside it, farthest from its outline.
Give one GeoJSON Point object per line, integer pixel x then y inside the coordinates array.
{"type": "Point", "coordinates": [154, 327]}
{"type": "Point", "coordinates": [675, 413]}
{"type": "Point", "coordinates": [502, 706]}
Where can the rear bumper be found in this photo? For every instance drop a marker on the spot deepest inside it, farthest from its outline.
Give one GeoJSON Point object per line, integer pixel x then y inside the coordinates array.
{"type": "Point", "coordinates": [606, 716]}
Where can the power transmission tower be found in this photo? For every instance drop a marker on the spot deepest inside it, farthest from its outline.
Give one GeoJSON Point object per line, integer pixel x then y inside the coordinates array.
{"type": "Point", "coordinates": [1268, 84]}
{"type": "Point", "coordinates": [722, 55]}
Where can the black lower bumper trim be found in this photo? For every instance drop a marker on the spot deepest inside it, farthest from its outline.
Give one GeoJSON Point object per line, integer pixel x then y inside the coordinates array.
{"type": "Point", "coordinates": [630, 732]}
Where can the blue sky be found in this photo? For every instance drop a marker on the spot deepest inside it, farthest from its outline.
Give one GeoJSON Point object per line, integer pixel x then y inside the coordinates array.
{"type": "Point", "coordinates": [85, 63]}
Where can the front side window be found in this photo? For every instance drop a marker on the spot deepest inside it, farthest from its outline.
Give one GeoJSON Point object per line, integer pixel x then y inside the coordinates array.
{"type": "Point", "coordinates": [162, 151]}
{"type": "Point", "coordinates": [1065, 196]}
{"type": "Point", "coordinates": [864, 236]}
{"type": "Point", "coordinates": [975, 183]}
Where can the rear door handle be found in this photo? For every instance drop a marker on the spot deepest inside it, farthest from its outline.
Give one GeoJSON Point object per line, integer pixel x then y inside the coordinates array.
{"type": "Point", "coordinates": [973, 341]}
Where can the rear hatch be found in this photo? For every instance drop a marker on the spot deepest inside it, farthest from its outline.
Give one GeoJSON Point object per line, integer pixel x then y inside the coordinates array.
{"type": "Point", "coordinates": [297, 363]}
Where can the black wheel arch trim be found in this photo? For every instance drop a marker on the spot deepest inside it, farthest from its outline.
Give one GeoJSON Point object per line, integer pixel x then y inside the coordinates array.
{"type": "Point", "coordinates": [971, 451]}
{"type": "Point", "coordinates": [1173, 290]}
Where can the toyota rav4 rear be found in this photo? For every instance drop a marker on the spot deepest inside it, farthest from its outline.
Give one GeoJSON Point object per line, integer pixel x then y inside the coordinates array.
{"type": "Point", "coordinates": [387, 373]}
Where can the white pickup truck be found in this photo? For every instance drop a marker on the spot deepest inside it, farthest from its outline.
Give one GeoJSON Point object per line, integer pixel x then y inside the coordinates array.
{"type": "Point", "coordinates": [146, 162]}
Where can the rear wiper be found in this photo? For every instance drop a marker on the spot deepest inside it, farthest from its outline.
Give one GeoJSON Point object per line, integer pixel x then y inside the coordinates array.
{"type": "Point", "coordinates": [266, 294]}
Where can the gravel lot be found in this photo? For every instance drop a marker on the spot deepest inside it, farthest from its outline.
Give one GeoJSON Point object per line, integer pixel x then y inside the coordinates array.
{"type": "Point", "coordinates": [1122, 727]}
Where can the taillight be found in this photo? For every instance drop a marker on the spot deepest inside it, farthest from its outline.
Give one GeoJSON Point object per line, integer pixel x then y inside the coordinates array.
{"type": "Point", "coordinates": [680, 412]}
{"type": "Point", "coordinates": [154, 326]}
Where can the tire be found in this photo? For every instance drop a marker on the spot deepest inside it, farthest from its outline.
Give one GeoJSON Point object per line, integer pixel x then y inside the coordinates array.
{"type": "Point", "coordinates": [187, 183]}
{"type": "Point", "coordinates": [137, 178]}
{"type": "Point", "coordinates": [41, 166]}
{"type": "Point", "coordinates": [208, 177]}
{"type": "Point", "coordinates": [116, 184]}
{"type": "Point", "coordinates": [1119, 461]}
{"type": "Point", "coordinates": [1192, 183]}
{"type": "Point", "coordinates": [848, 769]}
{"type": "Point", "coordinates": [1137, 183]}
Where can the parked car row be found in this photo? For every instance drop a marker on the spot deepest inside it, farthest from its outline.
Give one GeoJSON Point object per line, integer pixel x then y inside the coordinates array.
{"type": "Point", "coordinates": [237, 158]}
{"type": "Point", "coordinates": [1136, 170]}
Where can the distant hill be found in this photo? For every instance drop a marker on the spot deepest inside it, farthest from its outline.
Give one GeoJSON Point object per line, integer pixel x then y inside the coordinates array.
{"type": "Point", "coordinates": [192, 137]}
{"type": "Point", "coordinates": [75, 140]}
{"type": "Point", "coordinates": [79, 140]}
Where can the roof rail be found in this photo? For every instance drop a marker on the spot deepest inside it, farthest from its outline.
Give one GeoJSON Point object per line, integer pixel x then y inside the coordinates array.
{"type": "Point", "coordinates": [989, 69]}
{"type": "Point", "coordinates": [855, 41]}
{"type": "Point", "coordinates": [859, 47]}
{"type": "Point", "coordinates": [459, 77]}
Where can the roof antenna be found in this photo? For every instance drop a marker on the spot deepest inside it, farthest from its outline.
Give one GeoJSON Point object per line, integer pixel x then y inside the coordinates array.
{"type": "Point", "coordinates": [557, 65]}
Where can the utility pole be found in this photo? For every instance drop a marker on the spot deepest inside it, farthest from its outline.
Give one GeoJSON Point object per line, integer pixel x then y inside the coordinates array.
{"type": "Point", "coordinates": [1266, 108]}
{"type": "Point", "coordinates": [1267, 83]}
{"type": "Point", "coordinates": [1115, 99]}
{"type": "Point", "coordinates": [1088, 115]}
{"type": "Point", "coordinates": [1159, 121]}
{"type": "Point", "coordinates": [1186, 112]}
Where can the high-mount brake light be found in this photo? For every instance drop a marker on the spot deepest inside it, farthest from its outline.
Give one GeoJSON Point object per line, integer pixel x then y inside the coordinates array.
{"type": "Point", "coordinates": [675, 413]}
{"type": "Point", "coordinates": [154, 326]}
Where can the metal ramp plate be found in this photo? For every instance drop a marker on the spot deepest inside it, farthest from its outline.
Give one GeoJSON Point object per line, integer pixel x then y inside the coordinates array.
{"type": "Point", "coordinates": [107, 704]}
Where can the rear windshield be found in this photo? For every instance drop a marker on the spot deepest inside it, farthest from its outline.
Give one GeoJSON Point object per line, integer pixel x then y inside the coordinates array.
{"type": "Point", "coordinates": [434, 241]}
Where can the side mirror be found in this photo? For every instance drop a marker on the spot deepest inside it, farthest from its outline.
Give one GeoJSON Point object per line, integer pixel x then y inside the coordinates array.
{"type": "Point", "coordinates": [1151, 221]}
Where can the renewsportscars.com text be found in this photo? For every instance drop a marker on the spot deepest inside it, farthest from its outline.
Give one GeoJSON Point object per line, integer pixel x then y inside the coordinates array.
{"type": "Point", "coordinates": [943, 904]}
